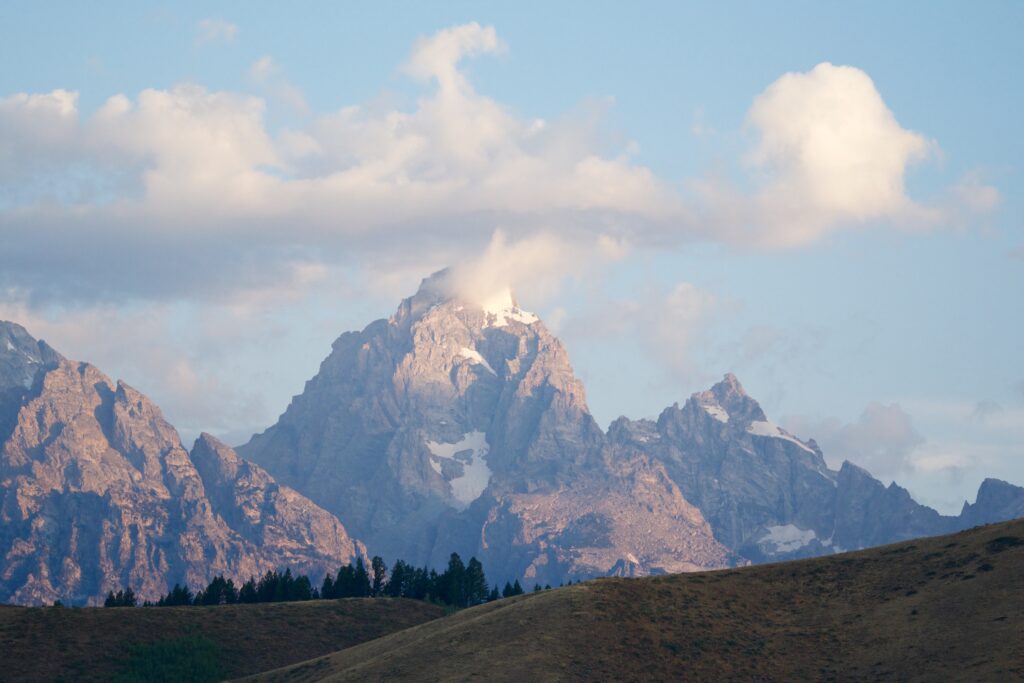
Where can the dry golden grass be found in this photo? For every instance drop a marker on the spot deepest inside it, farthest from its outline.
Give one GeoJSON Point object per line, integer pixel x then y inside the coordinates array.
{"type": "Point", "coordinates": [944, 608]}
{"type": "Point", "coordinates": [89, 644]}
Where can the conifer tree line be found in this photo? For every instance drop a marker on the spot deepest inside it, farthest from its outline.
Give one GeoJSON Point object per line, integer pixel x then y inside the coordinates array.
{"type": "Point", "coordinates": [460, 585]}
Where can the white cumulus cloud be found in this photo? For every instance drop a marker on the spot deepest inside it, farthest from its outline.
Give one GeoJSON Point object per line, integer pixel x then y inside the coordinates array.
{"type": "Point", "coordinates": [829, 155]}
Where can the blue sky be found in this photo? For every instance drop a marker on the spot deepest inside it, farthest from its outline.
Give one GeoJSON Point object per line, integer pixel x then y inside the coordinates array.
{"type": "Point", "coordinates": [675, 206]}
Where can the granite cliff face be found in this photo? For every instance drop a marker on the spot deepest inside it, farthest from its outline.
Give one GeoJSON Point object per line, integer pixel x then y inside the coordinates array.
{"type": "Point", "coordinates": [770, 496]}
{"type": "Point", "coordinates": [997, 501]}
{"type": "Point", "coordinates": [461, 426]}
{"type": "Point", "coordinates": [454, 425]}
{"type": "Point", "coordinates": [97, 492]}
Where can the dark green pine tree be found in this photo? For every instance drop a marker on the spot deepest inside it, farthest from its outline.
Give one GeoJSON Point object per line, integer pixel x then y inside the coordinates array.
{"type": "Point", "coordinates": [327, 588]}
{"type": "Point", "coordinates": [516, 588]}
{"type": "Point", "coordinates": [301, 589]}
{"type": "Point", "coordinates": [452, 584]}
{"type": "Point", "coordinates": [507, 591]}
{"type": "Point", "coordinates": [345, 582]}
{"type": "Point", "coordinates": [362, 580]}
{"type": "Point", "coordinates": [399, 583]}
{"type": "Point", "coordinates": [247, 593]}
{"type": "Point", "coordinates": [475, 583]}
{"type": "Point", "coordinates": [432, 584]}
{"type": "Point", "coordinates": [380, 571]}
{"type": "Point", "coordinates": [494, 594]}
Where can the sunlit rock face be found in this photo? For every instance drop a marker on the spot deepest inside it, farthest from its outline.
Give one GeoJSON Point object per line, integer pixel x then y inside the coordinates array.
{"type": "Point", "coordinates": [97, 493]}
{"type": "Point", "coordinates": [458, 424]}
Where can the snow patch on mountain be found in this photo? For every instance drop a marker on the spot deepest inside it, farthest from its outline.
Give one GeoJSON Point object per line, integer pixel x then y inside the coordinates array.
{"type": "Point", "coordinates": [716, 411]}
{"type": "Point", "coordinates": [473, 356]}
{"type": "Point", "coordinates": [10, 346]}
{"type": "Point", "coordinates": [471, 451]}
{"type": "Point", "coordinates": [502, 307]}
{"type": "Point", "coordinates": [770, 429]}
{"type": "Point", "coordinates": [787, 537]}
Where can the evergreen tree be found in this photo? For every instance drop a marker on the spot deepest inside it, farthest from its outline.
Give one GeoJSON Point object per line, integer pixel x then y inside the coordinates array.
{"type": "Point", "coordinates": [452, 584]}
{"type": "Point", "coordinates": [537, 588]}
{"type": "Point", "coordinates": [362, 580]}
{"type": "Point", "coordinates": [179, 596]}
{"type": "Point", "coordinates": [475, 583]}
{"type": "Point", "coordinates": [247, 593]}
{"type": "Point", "coordinates": [301, 589]}
{"type": "Point", "coordinates": [433, 586]}
{"type": "Point", "coordinates": [379, 575]}
{"type": "Point", "coordinates": [516, 588]}
{"type": "Point", "coordinates": [507, 592]}
{"type": "Point", "coordinates": [421, 584]}
{"type": "Point", "coordinates": [399, 583]}
{"type": "Point", "coordinates": [219, 591]}
{"type": "Point", "coordinates": [327, 588]}
{"type": "Point", "coordinates": [494, 594]}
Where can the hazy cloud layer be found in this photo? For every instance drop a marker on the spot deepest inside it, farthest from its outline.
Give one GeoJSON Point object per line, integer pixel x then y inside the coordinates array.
{"type": "Point", "coordinates": [965, 442]}
{"type": "Point", "coordinates": [883, 440]}
{"type": "Point", "coordinates": [187, 192]}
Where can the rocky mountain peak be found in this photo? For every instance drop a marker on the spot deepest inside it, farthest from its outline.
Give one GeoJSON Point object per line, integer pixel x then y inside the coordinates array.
{"type": "Point", "coordinates": [21, 357]}
{"type": "Point", "coordinates": [99, 493]}
{"type": "Point", "coordinates": [494, 307]}
{"type": "Point", "coordinates": [997, 501]}
{"type": "Point", "coordinates": [727, 401]}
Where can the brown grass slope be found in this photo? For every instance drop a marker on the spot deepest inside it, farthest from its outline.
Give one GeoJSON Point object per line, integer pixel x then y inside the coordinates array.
{"type": "Point", "coordinates": [943, 608]}
{"type": "Point", "coordinates": [89, 644]}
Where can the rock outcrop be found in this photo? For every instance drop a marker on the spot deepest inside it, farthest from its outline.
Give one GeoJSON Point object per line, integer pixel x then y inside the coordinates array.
{"type": "Point", "coordinates": [97, 493]}
{"type": "Point", "coordinates": [459, 425]}
{"type": "Point", "coordinates": [770, 496]}
{"type": "Point", "coordinates": [456, 425]}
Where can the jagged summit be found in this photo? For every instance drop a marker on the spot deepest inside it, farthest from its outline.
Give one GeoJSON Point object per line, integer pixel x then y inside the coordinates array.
{"type": "Point", "coordinates": [459, 424]}
{"type": "Point", "coordinates": [496, 305]}
{"type": "Point", "coordinates": [98, 493]}
{"type": "Point", "coordinates": [729, 403]}
{"type": "Point", "coordinates": [21, 356]}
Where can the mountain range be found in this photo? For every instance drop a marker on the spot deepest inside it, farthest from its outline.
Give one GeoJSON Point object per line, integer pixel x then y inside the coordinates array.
{"type": "Point", "coordinates": [454, 425]}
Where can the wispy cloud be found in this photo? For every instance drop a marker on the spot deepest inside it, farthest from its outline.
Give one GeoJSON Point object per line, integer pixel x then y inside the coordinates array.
{"type": "Point", "coordinates": [266, 74]}
{"type": "Point", "coordinates": [215, 31]}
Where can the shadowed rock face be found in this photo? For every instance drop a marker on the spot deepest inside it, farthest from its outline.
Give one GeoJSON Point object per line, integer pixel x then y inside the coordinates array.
{"type": "Point", "coordinates": [457, 426]}
{"type": "Point", "coordinates": [97, 493]}
{"type": "Point", "coordinates": [770, 496]}
{"type": "Point", "coordinates": [997, 501]}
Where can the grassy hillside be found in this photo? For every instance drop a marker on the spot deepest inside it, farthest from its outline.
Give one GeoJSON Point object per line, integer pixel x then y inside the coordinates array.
{"type": "Point", "coordinates": [945, 608]}
{"type": "Point", "coordinates": [91, 644]}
